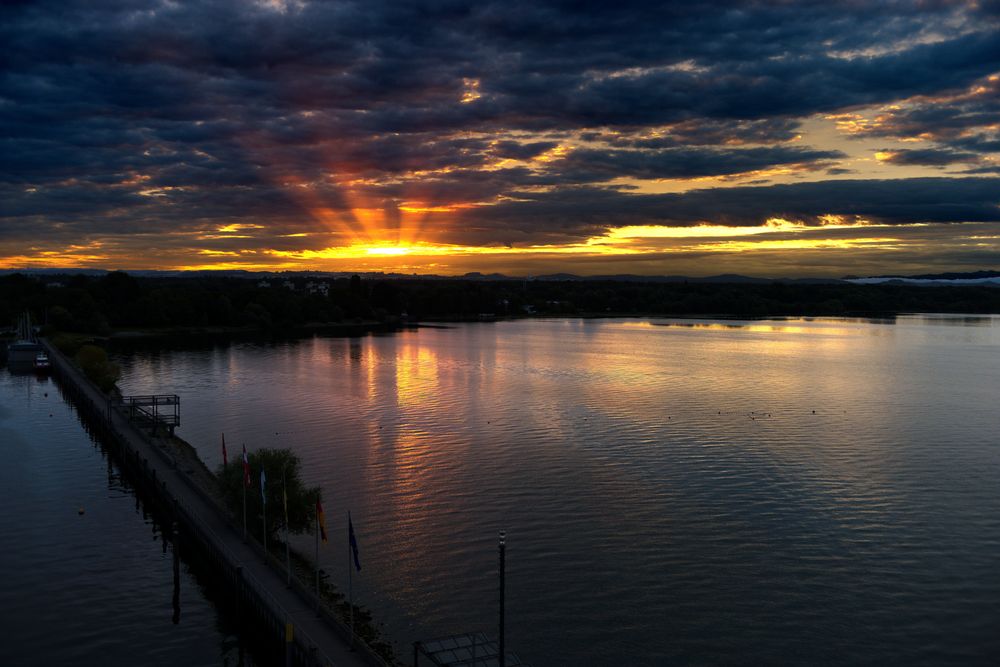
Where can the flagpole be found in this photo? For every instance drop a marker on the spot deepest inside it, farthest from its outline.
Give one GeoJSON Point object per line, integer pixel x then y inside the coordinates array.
{"type": "Point", "coordinates": [503, 569]}
{"type": "Point", "coordinates": [316, 561]}
{"type": "Point", "coordinates": [263, 505]}
{"type": "Point", "coordinates": [245, 484]}
{"type": "Point", "coordinates": [288, 553]}
{"type": "Point", "coordinates": [350, 581]}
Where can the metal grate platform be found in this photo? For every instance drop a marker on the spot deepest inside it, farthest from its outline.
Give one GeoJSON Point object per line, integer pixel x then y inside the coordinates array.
{"type": "Point", "coordinates": [473, 649]}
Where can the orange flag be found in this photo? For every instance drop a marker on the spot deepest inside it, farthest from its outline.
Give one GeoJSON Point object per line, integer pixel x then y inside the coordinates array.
{"type": "Point", "coordinates": [321, 521]}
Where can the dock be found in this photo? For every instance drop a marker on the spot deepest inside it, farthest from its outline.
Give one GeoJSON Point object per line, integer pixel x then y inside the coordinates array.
{"type": "Point", "coordinates": [310, 638]}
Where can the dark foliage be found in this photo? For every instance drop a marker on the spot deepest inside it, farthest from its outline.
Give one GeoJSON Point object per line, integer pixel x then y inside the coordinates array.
{"type": "Point", "coordinates": [119, 301]}
{"type": "Point", "coordinates": [95, 364]}
{"type": "Point", "coordinates": [281, 467]}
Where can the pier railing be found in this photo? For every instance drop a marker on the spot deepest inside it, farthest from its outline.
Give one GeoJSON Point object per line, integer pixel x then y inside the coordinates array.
{"type": "Point", "coordinates": [155, 410]}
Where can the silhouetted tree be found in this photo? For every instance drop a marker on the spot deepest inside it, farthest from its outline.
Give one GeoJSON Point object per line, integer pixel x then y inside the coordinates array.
{"type": "Point", "coordinates": [274, 462]}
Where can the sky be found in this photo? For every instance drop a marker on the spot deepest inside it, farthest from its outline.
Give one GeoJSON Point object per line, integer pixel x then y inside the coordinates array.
{"type": "Point", "coordinates": [775, 139]}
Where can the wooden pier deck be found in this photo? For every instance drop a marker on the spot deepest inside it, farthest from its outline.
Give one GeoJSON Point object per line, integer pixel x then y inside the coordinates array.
{"type": "Point", "coordinates": [316, 639]}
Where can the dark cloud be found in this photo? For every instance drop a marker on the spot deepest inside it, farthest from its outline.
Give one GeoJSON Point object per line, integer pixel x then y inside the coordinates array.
{"type": "Point", "coordinates": [522, 151]}
{"type": "Point", "coordinates": [575, 214]}
{"type": "Point", "coordinates": [934, 157]}
{"type": "Point", "coordinates": [176, 118]}
{"type": "Point", "coordinates": [962, 126]}
{"type": "Point", "coordinates": [709, 131]}
{"type": "Point", "coordinates": [601, 165]}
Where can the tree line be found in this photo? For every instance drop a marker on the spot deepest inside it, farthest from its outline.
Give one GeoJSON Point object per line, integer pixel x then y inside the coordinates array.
{"type": "Point", "coordinates": [119, 301]}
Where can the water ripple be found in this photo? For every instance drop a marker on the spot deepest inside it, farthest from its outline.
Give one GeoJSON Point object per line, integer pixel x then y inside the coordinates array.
{"type": "Point", "coordinates": [792, 491]}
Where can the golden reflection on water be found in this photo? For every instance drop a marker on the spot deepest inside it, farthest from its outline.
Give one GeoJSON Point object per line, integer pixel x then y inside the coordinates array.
{"type": "Point", "coordinates": [826, 326]}
{"type": "Point", "coordinates": [417, 379]}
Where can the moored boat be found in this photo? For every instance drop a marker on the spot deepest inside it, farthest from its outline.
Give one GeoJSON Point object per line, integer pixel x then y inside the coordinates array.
{"type": "Point", "coordinates": [42, 363]}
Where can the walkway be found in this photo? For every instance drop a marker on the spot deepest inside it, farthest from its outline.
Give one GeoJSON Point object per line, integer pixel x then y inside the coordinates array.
{"type": "Point", "coordinates": [313, 633]}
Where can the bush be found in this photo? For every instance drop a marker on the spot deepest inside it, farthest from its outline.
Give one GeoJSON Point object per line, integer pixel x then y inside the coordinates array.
{"type": "Point", "coordinates": [94, 362]}
{"type": "Point", "coordinates": [68, 344]}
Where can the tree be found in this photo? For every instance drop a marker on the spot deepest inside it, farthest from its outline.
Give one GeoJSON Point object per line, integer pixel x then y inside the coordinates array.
{"type": "Point", "coordinates": [95, 364]}
{"type": "Point", "coordinates": [274, 462]}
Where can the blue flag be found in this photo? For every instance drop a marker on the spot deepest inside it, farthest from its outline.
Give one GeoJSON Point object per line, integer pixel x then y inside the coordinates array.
{"type": "Point", "coordinates": [354, 542]}
{"type": "Point", "coordinates": [263, 497]}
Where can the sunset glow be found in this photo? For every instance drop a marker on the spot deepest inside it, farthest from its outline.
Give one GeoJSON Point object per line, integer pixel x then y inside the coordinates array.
{"type": "Point", "coordinates": [630, 144]}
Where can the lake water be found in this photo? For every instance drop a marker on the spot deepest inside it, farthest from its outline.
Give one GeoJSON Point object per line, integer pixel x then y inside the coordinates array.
{"type": "Point", "coordinates": [710, 492]}
{"type": "Point", "coordinates": [97, 587]}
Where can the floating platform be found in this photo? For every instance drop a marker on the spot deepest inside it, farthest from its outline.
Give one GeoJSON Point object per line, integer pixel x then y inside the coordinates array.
{"type": "Point", "coordinates": [473, 649]}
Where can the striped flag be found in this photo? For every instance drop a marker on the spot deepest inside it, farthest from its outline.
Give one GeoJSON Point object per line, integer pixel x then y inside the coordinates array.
{"type": "Point", "coordinates": [321, 520]}
{"type": "Point", "coordinates": [246, 467]}
{"type": "Point", "coordinates": [353, 541]}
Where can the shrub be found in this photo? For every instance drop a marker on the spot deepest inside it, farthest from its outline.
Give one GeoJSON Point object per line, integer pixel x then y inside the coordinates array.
{"type": "Point", "coordinates": [95, 364]}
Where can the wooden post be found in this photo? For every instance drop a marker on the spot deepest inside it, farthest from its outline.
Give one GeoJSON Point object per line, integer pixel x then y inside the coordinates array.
{"type": "Point", "coordinates": [176, 598]}
{"type": "Point", "coordinates": [288, 554]}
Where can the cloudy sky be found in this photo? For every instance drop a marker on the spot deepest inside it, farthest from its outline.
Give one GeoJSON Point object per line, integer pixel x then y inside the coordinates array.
{"type": "Point", "coordinates": [765, 138]}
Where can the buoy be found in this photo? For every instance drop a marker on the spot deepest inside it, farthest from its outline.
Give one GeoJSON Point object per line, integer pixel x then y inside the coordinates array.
{"type": "Point", "coordinates": [80, 511]}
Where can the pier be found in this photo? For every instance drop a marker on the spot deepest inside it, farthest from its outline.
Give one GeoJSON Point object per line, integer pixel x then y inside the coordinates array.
{"type": "Point", "coordinates": [307, 632]}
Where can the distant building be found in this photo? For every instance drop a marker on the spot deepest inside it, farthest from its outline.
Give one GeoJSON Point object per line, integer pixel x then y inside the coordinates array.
{"type": "Point", "coordinates": [318, 288]}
